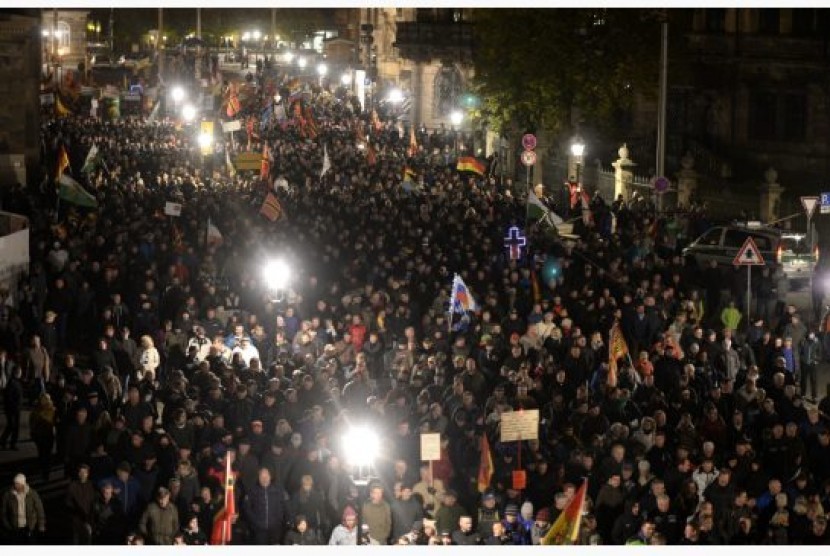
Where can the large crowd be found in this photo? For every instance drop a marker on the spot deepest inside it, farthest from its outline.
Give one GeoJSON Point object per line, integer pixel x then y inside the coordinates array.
{"type": "Point", "coordinates": [148, 355]}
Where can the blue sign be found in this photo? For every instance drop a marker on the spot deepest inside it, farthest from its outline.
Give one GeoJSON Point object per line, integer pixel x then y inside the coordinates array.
{"type": "Point", "coordinates": [825, 199]}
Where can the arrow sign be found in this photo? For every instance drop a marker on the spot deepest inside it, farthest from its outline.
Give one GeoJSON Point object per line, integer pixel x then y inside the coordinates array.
{"type": "Point", "coordinates": [749, 255]}
{"type": "Point", "coordinates": [809, 204]}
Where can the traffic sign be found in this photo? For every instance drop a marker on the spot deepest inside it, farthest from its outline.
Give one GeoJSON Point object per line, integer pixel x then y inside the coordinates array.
{"type": "Point", "coordinates": [661, 184]}
{"type": "Point", "coordinates": [809, 204]}
{"type": "Point", "coordinates": [529, 141]}
{"type": "Point", "coordinates": [749, 255]}
{"type": "Point", "coordinates": [528, 158]}
{"type": "Point", "coordinates": [825, 203]}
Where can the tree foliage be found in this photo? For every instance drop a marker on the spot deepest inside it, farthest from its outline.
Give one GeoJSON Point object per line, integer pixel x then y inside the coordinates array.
{"type": "Point", "coordinates": [541, 67]}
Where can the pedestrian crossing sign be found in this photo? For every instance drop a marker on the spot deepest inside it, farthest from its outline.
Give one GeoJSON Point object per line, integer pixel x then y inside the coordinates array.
{"type": "Point", "coordinates": [749, 255]}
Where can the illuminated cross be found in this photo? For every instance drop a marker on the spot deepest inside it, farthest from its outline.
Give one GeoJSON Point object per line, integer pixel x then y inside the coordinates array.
{"type": "Point", "coordinates": [514, 242]}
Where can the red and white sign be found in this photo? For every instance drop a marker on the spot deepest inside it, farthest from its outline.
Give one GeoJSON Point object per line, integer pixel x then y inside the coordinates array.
{"type": "Point", "coordinates": [529, 141]}
{"type": "Point", "coordinates": [528, 158]}
{"type": "Point", "coordinates": [809, 204]}
{"type": "Point", "coordinates": [749, 255]}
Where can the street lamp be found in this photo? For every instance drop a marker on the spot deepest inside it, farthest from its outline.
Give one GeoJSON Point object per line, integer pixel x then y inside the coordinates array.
{"type": "Point", "coordinates": [188, 113]}
{"type": "Point", "coordinates": [301, 62]}
{"type": "Point", "coordinates": [360, 449]}
{"type": "Point", "coordinates": [177, 94]}
{"type": "Point", "coordinates": [322, 69]}
{"type": "Point", "coordinates": [346, 79]}
{"type": "Point", "coordinates": [205, 142]}
{"type": "Point", "coordinates": [395, 96]}
{"type": "Point", "coordinates": [256, 35]}
{"type": "Point", "coordinates": [277, 275]}
{"type": "Point", "coordinates": [577, 150]}
{"type": "Point", "coordinates": [456, 117]}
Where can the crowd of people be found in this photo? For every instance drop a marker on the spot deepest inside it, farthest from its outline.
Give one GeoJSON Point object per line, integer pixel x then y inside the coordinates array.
{"type": "Point", "coordinates": [148, 355]}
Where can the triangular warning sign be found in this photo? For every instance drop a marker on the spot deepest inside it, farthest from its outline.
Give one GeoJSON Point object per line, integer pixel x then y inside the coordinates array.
{"type": "Point", "coordinates": [749, 255]}
{"type": "Point", "coordinates": [809, 204]}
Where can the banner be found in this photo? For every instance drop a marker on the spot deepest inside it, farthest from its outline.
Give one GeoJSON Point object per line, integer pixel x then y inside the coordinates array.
{"type": "Point", "coordinates": [172, 209]}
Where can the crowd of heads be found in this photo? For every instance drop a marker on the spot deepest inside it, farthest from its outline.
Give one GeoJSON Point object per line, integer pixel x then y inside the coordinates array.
{"type": "Point", "coordinates": [151, 357]}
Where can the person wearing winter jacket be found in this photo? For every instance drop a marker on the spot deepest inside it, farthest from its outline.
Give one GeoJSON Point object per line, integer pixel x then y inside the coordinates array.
{"type": "Point", "coordinates": [704, 476]}
{"type": "Point", "coordinates": [19, 527]}
{"type": "Point", "coordinates": [301, 533]}
{"type": "Point", "coordinates": [263, 509]}
{"type": "Point", "coordinates": [160, 521]}
{"type": "Point", "coordinates": [345, 534]}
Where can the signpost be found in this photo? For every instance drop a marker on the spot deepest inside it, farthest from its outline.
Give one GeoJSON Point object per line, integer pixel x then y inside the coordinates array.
{"type": "Point", "coordinates": [430, 449]}
{"type": "Point", "coordinates": [661, 184]}
{"type": "Point", "coordinates": [749, 256]}
{"type": "Point", "coordinates": [825, 203]}
{"type": "Point", "coordinates": [529, 141]}
{"type": "Point", "coordinates": [517, 426]}
{"type": "Point", "coordinates": [528, 158]}
{"type": "Point", "coordinates": [809, 204]}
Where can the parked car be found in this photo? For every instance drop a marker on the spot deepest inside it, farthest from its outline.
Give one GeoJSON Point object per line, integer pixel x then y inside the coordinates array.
{"type": "Point", "coordinates": [722, 243]}
{"type": "Point", "coordinates": [796, 257]}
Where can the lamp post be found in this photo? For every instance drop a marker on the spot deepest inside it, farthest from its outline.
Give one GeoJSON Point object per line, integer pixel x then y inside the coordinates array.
{"type": "Point", "coordinates": [456, 117]}
{"type": "Point", "coordinates": [277, 276]}
{"type": "Point", "coordinates": [322, 70]}
{"type": "Point", "coordinates": [577, 150]}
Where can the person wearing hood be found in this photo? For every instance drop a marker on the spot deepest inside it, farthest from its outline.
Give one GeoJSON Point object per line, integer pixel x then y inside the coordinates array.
{"type": "Point", "coordinates": [345, 534]}
{"type": "Point", "coordinates": [22, 514]}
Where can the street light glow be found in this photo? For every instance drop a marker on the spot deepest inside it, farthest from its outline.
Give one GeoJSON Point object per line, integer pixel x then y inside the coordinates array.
{"type": "Point", "coordinates": [456, 117]}
{"type": "Point", "coordinates": [289, 56]}
{"type": "Point", "coordinates": [577, 147]}
{"type": "Point", "coordinates": [257, 35]}
{"type": "Point", "coordinates": [188, 112]}
{"type": "Point", "coordinates": [277, 274]}
{"type": "Point", "coordinates": [246, 36]}
{"type": "Point", "coordinates": [205, 140]}
{"type": "Point", "coordinates": [322, 69]}
{"type": "Point", "coordinates": [346, 79]}
{"type": "Point", "coordinates": [395, 96]}
{"type": "Point", "coordinates": [360, 446]}
{"type": "Point", "coordinates": [178, 94]}
{"type": "Point", "coordinates": [301, 62]}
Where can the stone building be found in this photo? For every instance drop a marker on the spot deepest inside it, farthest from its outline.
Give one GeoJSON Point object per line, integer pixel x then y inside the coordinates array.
{"type": "Point", "coordinates": [64, 36]}
{"type": "Point", "coordinates": [20, 51]}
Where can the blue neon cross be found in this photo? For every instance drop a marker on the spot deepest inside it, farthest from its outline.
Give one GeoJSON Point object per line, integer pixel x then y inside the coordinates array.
{"type": "Point", "coordinates": [514, 242]}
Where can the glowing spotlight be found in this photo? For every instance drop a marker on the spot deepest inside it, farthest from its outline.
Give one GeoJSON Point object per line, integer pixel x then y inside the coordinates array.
{"type": "Point", "coordinates": [277, 274]}
{"type": "Point", "coordinates": [361, 446]}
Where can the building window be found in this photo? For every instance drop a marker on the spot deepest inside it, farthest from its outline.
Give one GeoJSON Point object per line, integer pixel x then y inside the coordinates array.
{"type": "Point", "coordinates": [794, 117]}
{"type": "Point", "coordinates": [399, 13]}
{"type": "Point", "coordinates": [715, 20]}
{"type": "Point", "coordinates": [769, 21]}
{"type": "Point", "coordinates": [762, 116]}
{"type": "Point", "coordinates": [804, 22]}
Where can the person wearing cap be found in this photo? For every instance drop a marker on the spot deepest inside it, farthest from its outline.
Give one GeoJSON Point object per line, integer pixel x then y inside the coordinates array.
{"type": "Point", "coordinates": [345, 534]}
{"type": "Point", "coordinates": [541, 526]}
{"type": "Point", "coordinates": [512, 527]}
{"type": "Point", "coordinates": [160, 521]}
{"type": "Point", "coordinates": [22, 515]}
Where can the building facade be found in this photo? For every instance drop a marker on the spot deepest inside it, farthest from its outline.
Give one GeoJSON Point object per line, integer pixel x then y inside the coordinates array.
{"type": "Point", "coordinates": [64, 37]}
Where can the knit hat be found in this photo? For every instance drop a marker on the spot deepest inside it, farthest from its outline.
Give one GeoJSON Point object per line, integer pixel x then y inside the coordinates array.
{"type": "Point", "coordinates": [543, 515]}
{"type": "Point", "coordinates": [511, 509]}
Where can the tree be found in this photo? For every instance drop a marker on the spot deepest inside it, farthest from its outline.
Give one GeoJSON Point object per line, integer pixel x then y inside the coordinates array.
{"type": "Point", "coordinates": [548, 67]}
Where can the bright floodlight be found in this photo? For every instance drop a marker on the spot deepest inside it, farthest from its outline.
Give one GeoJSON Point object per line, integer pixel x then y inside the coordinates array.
{"type": "Point", "coordinates": [346, 79]}
{"type": "Point", "coordinates": [257, 35]}
{"type": "Point", "coordinates": [289, 56]}
{"type": "Point", "coordinates": [456, 117]}
{"type": "Point", "coordinates": [188, 112]}
{"type": "Point", "coordinates": [301, 62]}
{"type": "Point", "coordinates": [361, 446]}
{"type": "Point", "coordinates": [577, 148]}
{"type": "Point", "coordinates": [276, 274]}
{"type": "Point", "coordinates": [178, 94]}
{"type": "Point", "coordinates": [205, 140]}
{"type": "Point", "coordinates": [246, 36]}
{"type": "Point", "coordinates": [395, 96]}
{"type": "Point", "coordinates": [322, 69]}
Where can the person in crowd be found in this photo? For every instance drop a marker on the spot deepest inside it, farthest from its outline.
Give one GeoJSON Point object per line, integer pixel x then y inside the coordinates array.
{"type": "Point", "coordinates": [23, 517]}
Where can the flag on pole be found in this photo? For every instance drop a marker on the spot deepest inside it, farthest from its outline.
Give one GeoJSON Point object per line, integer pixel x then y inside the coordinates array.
{"type": "Point", "coordinates": [214, 236]}
{"type": "Point", "coordinates": [538, 211]}
{"type": "Point", "coordinates": [154, 113]}
{"type": "Point", "coordinates": [91, 160]}
{"type": "Point", "coordinates": [485, 465]}
{"type": "Point", "coordinates": [61, 111]}
{"type": "Point", "coordinates": [72, 192]}
{"type": "Point", "coordinates": [565, 530]}
{"type": "Point", "coordinates": [616, 348]}
{"type": "Point", "coordinates": [471, 164]}
{"type": "Point", "coordinates": [326, 162]}
{"type": "Point", "coordinates": [376, 125]}
{"type": "Point", "coordinates": [461, 299]}
{"type": "Point", "coordinates": [271, 208]}
{"type": "Point", "coordinates": [371, 155]}
{"type": "Point", "coordinates": [229, 164]}
{"type": "Point", "coordinates": [62, 164]}
{"type": "Point", "coordinates": [265, 166]}
{"type": "Point", "coordinates": [223, 522]}
{"type": "Point", "coordinates": [413, 142]}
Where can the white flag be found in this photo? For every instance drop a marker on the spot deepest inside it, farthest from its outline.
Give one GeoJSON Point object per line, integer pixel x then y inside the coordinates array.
{"type": "Point", "coordinates": [214, 236]}
{"type": "Point", "coordinates": [326, 162]}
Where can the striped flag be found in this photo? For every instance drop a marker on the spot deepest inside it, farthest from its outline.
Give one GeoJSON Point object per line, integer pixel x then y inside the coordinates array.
{"type": "Point", "coordinates": [265, 166]}
{"type": "Point", "coordinates": [485, 466]}
{"type": "Point", "coordinates": [271, 208]}
{"type": "Point", "coordinates": [223, 522]}
{"type": "Point", "coordinates": [538, 211]}
{"type": "Point", "coordinates": [461, 299]}
{"type": "Point", "coordinates": [154, 113]}
{"type": "Point", "coordinates": [91, 160]}
{"type": "Point", "coordinates": [616, 348]}
{"type": "Point", "coordinates": [63, 162]}
{"type": "Point", "coordinates": [228, 164]}
{"type": "Point", "coordinates": [471, 164]}
{"type": "Point", "coordinates": [72, 192]}
{"type": "Point", "coordinates": [565, 530]}
{"type": "Point", "coordinates": [214, 236]}
{"type": "Point", "coordinates": [413, 143]}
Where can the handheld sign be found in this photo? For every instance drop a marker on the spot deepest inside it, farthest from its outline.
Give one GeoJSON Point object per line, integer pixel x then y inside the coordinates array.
{"type": "Point", "coordinates": [172, 209]}
{"type": "Point", "coordinates": [430, 446]}
{"type": "Point", "coordinates": [520, 425]}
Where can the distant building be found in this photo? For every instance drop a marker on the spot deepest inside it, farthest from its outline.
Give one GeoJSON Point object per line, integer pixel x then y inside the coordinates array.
{"type": "Point", "coordinates": [64, 37]}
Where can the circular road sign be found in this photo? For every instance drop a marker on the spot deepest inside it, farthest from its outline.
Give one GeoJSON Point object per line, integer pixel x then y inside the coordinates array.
{"type": "Point", "coordinates": [661, 184]}
{"type": "Point", "coordinates": [528, 158]}
{"type": "Point", "coordinates": [529, 141]}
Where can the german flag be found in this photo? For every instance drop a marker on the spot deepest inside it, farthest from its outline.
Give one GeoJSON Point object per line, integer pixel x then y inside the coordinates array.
{"type": "Point", "coordinates": [616, 348]}
{"type": "Point", "coordinates": [471, 164]}
{"type": "Point", "coordinates": [271, 208]}
{"type": "Point", "coordinates": [265, 168]}
{"type": "Point", "coordinates": [371, 155]}
{"type": "Point", "coordinates": [565, 530]}
{"type": "Point", "coordinates": [61, 111]}
{"type": "Point", "coordinates": [413, 143]}
{"type": "Point", "coordinates": [485, 465]}
{"type": "Point", "coordinates": [408, 173]}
